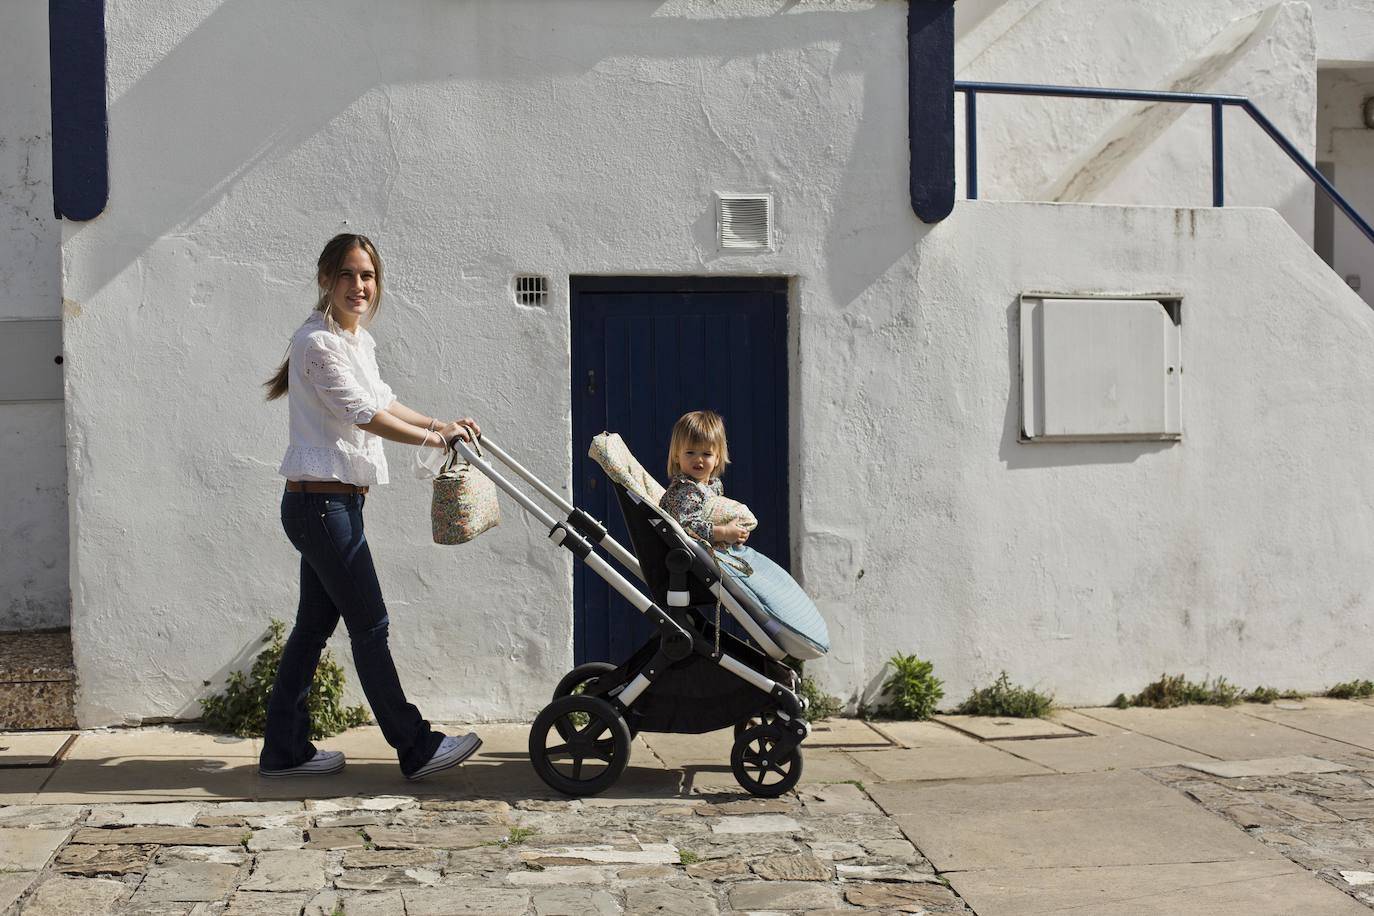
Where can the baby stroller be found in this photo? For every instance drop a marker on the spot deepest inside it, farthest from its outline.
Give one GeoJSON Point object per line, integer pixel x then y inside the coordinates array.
{"type": "Point", "coordinates": [691, 677]}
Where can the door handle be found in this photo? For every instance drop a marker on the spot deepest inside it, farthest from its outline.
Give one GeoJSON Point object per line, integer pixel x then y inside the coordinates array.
{"type": "Point", "coordinates": [591, 381]}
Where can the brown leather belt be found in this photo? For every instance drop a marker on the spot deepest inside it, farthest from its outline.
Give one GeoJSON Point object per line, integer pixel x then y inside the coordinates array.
{"type": "Point", "coordinates": [322, 486]}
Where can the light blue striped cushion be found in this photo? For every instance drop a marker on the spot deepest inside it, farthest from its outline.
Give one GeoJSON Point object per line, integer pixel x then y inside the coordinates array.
{"type": "Point", "coordinates": [780, 595]}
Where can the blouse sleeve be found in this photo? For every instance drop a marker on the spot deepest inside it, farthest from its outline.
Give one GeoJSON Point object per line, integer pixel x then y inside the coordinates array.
{"type": "Point", "coordinates": [684, 500]}
{"type": "Point", "coordinates": [328, 371]}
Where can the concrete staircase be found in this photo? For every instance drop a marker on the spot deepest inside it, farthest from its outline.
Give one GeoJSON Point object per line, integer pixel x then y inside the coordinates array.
{"type": "Point", "coordinates": [37, 680]}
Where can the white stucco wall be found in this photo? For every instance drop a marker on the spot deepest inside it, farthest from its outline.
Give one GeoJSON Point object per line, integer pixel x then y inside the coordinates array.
{"type": "Point", "coordinates": [33, 504]}
{"type": "Point", "coordinates": [1345, 32]}
{"type": "Point", "coordinates": [476, 141]}
{"type": "Point", "coordinates": [1123, 152]}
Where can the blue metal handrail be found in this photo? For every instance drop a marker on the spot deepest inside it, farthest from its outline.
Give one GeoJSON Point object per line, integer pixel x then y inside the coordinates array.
{"type": "Point", "coordinates": [972, 90]}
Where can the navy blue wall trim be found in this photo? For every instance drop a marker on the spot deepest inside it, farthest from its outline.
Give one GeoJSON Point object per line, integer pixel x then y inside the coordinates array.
{"type": "Point", "coordinates": [80, 125]}
{"type": "Point", "coordinates": [930, 81]}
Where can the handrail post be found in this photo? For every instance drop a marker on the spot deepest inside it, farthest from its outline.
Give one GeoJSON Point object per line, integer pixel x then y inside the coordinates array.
{"type": "Point", "coordinates": [1218, 178]}
{"type": "Point", "coordinates": [971, 144]}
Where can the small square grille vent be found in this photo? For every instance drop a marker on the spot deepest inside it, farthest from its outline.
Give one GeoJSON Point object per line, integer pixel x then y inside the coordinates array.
{"type": "Point", "coordinates": [531, 289]}
{"type": "Point", "coordinates": [745, 221]}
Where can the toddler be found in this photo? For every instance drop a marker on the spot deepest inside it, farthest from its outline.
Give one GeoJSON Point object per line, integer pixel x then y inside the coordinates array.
{"type": "Point", "coordinates": [697, 456]}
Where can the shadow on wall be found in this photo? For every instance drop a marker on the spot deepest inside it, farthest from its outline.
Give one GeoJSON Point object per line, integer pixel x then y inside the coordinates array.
{"type": "Point", "coordinates": [257, 78]}
{"type": "Point", "coordinates": [1019, 456]}
{"type": "Point", "coordinates": [215, 683]}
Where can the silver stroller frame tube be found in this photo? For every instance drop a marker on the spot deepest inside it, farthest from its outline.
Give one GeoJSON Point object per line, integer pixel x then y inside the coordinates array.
{"type": "Point", "coordinates": [572, 535]}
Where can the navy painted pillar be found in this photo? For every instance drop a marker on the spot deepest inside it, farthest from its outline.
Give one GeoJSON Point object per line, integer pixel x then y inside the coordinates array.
{"type": "Point", "coordinates": [80, 126]}
{"type": "Point", "coordinates": [930, 81]}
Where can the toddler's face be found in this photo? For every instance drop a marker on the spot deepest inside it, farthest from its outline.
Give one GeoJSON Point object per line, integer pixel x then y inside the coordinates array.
{"type": "Point", "coordinates": [697, 460]}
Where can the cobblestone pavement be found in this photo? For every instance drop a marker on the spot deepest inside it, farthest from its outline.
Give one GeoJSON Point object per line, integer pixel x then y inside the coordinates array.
{"type": "Point", "coordinates": [826, 849]}
{"type": "Point", "coordinates": [1323, 820]}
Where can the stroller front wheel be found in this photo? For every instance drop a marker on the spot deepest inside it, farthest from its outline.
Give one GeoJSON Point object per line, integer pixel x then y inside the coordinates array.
{"type": "Point", "coordinates": [579, 745]}
{"type": "Point", "coordinates": [758, 766]}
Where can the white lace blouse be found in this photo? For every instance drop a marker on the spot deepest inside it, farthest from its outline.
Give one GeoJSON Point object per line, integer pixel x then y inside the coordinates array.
{"type": "Point", "coordinates": [333, 385]}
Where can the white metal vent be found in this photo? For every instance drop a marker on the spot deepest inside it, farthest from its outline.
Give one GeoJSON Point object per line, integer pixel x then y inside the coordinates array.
{"type": "Point", "coordinates": [745, 221]}
{"type": "Point", "coordinates": [531, 289]}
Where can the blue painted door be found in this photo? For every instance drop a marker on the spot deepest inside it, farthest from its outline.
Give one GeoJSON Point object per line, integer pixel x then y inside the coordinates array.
{"type": "Point", "coordinates": [646, 351]}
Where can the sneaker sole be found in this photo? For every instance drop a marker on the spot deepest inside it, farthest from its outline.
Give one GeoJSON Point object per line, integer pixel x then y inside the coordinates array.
{"type": "Point", "coordinates": [433, 767]}
{"type": "Point", "coordinates": [302, 771]}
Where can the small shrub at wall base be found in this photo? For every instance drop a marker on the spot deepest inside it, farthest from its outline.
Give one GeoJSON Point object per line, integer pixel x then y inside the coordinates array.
{"type": "Point", "coordinates": [1176, 690]}
{"type": "Point", "coordinates": [1352, 690]}
{"type": "Point", "coordinates": [1004, 698]}
{"type": "Point", "coordinates": [242, 709]}
{"type": "Point", "coordinates": [912, 690]}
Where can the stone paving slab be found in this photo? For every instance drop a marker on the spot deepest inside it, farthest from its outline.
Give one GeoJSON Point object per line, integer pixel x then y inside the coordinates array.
{"type": "Point", "coordinates": [49, 816]}
{"type": "Point", "coordinates": [922, 734]}
{"type": "Point", "coordinates": [1339, 720]}
{"type": "Point", "coordinates": [58, 895]}
{"type": "Point", "coordinates": [846, 733]}
{"type": "Point", "coordinates": [30, 748]}
{"type": "Point", "coordinates": [1239, 888]}
{"type": "Point", "coordinates": [957, 762]}
{"type": "Point", "coordinates": [1266, 766]}
{"type": "Point", "coordinates": [1228, 734]}
{"type": "Point", "coordinates": [12, 884]}
{"type": "Point", "coordinates": [28, 849]}
{"type": "Point", "coordinates": [140, 779]}
{"type": "Point", "coordinates": [1044, 793]}
{"type": "Point", "coordinates": [1090, 753]}
{"type": "Point", "coordinates": [991, 728]}
{"type": "Point", "coordinates": [1100, 837]}
{"type": "Point", "coordinates": [20, 786]}
{"type": "Point", "coordinates": [1087, 724]}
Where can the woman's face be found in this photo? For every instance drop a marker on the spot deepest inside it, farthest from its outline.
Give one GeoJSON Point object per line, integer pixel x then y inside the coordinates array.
{"type": "Point", "coordinates": [354, 288]}
{"type": "Point", "coordinates": [697, 460]}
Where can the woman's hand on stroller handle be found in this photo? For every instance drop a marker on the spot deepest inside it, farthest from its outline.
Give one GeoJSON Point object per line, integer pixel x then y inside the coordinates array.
{"type": "Point", "coordinates": [464, 429]}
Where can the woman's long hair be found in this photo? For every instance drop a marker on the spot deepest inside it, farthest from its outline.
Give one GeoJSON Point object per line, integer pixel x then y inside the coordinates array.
{"type": "Point", "coordinates": [329, 264]}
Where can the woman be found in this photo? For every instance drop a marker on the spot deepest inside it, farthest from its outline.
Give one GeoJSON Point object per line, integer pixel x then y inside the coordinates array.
{"type": "Point", "coordinates": [340, 411]}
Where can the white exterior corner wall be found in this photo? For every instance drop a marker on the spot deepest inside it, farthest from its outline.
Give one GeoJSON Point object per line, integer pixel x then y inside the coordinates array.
{"type": "Point", "coordinates": [34, 592]}
{"type": "Point", "coordinates": [1101, 151]}
{"type": "Point", "coordinates": [476, 141]}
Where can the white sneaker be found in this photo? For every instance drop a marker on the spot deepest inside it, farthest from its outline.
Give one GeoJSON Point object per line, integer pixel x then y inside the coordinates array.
{"type": "Point", "coordinates": [322, 764]}
{"type": "Point", "coordinates": [452, 751]}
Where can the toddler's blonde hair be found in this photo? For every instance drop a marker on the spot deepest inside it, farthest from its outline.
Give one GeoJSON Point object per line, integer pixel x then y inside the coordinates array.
{"type": "Point", "coordinates": [699, 427]}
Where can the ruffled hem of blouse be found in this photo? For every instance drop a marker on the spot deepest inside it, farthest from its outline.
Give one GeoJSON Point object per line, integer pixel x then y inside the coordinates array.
{"type": "Point", "coordinates": [357, 468]}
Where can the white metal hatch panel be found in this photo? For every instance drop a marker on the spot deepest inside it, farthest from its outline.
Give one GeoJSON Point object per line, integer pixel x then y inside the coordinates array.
{"type": "Point", "coordinates": [1100, 369]}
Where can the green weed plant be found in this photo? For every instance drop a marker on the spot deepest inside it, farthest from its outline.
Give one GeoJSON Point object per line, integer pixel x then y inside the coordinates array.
{"type": "Point", "coordinates": [1352, 690]}
{"type": "Point", "coordinates": [1003, 698]}
{"type": "Point", "coordinates": [912, 689]}
{"type": "Point", "coordinates": [242, 709]}
{"type": "Point", "coordinates": [1175, 690]}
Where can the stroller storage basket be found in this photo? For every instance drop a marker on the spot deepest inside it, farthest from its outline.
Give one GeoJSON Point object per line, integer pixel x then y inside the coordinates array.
{"type": "Point", "coordinates": [695, 695]}
{"type": "Point", "coordinates": [682, 680]}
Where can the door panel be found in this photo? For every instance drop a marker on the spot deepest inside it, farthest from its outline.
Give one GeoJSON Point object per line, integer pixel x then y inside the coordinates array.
{"type": "Point", "coordinates": [646, 351]}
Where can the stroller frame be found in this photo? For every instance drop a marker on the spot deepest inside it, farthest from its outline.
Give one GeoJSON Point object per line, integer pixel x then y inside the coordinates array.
{"type": "Point", "coordinates": [597, 707]}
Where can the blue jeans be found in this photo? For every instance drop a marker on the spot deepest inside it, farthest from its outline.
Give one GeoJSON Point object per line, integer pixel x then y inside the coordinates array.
{"type": "Point", "coordinates": [338, 579]}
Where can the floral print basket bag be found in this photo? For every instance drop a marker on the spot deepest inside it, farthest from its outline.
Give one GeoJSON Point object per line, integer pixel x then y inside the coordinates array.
{"type": "Point", "coordinates": [464, 503]}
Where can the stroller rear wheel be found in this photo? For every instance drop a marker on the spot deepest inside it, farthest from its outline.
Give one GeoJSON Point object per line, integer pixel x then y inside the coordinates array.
{"type": "Point", "coordinates": [579, 745]}
{"type": "Point", "coordinates": [576, 682]}
{"type": "Point", "coordinates": [757, 765]}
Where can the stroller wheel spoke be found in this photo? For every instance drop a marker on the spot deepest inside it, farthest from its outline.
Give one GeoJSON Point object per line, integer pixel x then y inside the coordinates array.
{"type": "Point", "coordinates": [577, 767]}
{"type": "Point", "coordinates": [558, 750]}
